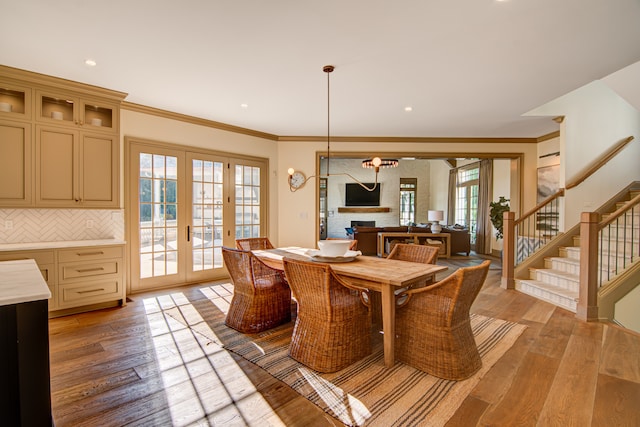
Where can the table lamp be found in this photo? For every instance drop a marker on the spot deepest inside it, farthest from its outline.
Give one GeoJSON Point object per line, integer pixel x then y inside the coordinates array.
{"type": "Point", "coordinates": [434, 217]}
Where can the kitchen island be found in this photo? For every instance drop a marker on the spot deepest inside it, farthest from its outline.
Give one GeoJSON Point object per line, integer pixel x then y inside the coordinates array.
{"type": "Point", "coordinates": [25, 390]}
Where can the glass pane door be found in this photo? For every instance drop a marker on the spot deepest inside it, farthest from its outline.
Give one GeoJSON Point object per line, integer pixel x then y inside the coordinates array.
{"type": "Point", "coordinates": [157, 212]}
{"type": "Point", "coordinates": [207, 215]}
{"type": "Point", "coordinates": [183, 207]}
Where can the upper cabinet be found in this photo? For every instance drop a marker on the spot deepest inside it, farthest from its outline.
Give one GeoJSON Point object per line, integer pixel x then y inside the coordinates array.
{"type": "Point", "coordinates": [76, 169]}
{"type": "Point", "coordinates": [16, 169]}
{"type": "Point", "coordinates": [15, 101]}
{"type": "Point", "coordinates": [83, 113]}
{"type": "Point", "coordinates": [60, 142]}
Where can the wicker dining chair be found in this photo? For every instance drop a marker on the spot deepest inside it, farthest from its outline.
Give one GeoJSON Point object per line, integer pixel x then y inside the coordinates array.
{"type": "Point", "coordinates": [414, 253]}
{"type": "Point", "coordinates": [433, 328]}
{"type": "Point", "coordinates": [352, 247]}
{"type": "Point", "coordinates": [403, 252]}
{"type": "Point", "coordinates": [261, 298]}
{"type": "Point", "coordinates": [251, 243]}
{"type": "Point", "coordinates": [333, 326]}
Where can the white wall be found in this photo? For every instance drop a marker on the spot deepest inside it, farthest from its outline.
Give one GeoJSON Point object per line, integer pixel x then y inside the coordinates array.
{"type": "Point", "coordinates": [626, 310]}
{"type": "Point", "coordinates": [439, 189]}
{"type": "Point", "coordinates": [596, 118]}
{"type": "Point", "coordinates": [389, 180]}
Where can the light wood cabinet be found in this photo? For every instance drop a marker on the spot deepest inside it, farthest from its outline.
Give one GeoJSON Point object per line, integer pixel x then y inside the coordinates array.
{"type": "Point", "coordinates": [76, 169]}
{"type": "Point", "coordinates": [15, 100]}
{"type": "Point", "coordinates": [90, 275]}
{"type": "Point", "coordinates": [16, 164]}
{"type": "Point", "coordinates": [66, 109]}
{"type": "Point", "coordinates": [79, 277]}
{"type": "Point", "coordinates": [60, 142]}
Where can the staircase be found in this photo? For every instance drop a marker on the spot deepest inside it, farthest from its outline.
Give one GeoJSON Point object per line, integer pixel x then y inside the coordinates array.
{"type": "Point", "coordinates": [558, 282]}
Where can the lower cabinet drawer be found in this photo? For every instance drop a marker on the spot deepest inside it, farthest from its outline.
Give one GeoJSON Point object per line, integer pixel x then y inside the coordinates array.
{"type": "Point", "coordinates": [74, 271]}
{"type": "Point", "coordinates": [89, 253]}
{"type": "Point", "coordinates": [41, 257]}
{"type": "Point", "coordinates": [72, 295]}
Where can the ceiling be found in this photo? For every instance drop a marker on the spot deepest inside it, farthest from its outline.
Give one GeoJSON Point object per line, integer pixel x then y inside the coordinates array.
{"type": "Point", "coordinates": [468, 68]}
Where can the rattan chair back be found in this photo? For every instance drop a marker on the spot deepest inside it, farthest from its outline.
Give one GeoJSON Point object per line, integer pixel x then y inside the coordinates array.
{"type": "Point", "coordinates": [261, 298]}
{"type": "Point", "coordinates": [414, 253]}
{"type": "Point", "coordinates": [433, 328]}
{"type": "Point", "coordinates": [333, 325]}
{"type": "Point", "coordinates": [251, 243]}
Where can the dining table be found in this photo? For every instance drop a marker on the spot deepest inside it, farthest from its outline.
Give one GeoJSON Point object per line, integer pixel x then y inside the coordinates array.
{"type": "Point", "coordinates": [375, 274]}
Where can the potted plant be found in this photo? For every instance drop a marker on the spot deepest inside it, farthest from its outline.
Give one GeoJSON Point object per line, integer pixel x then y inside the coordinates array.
{"type": "Point", "coordinates": [496, 211]}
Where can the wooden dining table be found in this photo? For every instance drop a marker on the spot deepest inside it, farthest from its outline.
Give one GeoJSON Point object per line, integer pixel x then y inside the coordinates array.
{"type": "Point", "coordinates": [376, 274]}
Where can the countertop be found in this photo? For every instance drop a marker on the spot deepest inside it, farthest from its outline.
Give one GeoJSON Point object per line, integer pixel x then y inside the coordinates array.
{"type": "Point", "coordinates": [5, 247]}
{"type": "Point", "coordinates": [21, 281]}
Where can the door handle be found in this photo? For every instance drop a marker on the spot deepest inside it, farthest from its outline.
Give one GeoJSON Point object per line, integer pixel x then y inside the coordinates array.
{"type": "Point", "coordinates": [188, 233]}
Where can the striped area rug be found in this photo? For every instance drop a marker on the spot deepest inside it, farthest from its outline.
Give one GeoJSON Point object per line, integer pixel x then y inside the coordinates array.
{"type": "Point", "coordinates": [367, 393]}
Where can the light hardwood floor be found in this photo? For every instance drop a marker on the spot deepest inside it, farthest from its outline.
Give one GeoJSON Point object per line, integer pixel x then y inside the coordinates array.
{"type": "Point", "coordinates": [119, 366]}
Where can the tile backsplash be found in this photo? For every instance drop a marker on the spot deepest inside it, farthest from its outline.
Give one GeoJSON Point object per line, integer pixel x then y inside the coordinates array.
{"type": "Point", "coordinates": [53, 225]}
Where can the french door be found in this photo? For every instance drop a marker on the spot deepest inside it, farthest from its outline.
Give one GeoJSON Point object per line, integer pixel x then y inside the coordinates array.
{"type": "Point", "coordinates": [184, 207]}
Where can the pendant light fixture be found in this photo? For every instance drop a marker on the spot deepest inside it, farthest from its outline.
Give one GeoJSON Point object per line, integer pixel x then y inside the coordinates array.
{"type": "Point", "coordinates": [297, 179]}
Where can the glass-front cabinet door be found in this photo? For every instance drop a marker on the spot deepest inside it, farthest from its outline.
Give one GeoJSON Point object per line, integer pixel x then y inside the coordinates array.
{"type": "Point", "coordinates": [87, 113]}
{"type": "Point", "coordinates": [15, 101]}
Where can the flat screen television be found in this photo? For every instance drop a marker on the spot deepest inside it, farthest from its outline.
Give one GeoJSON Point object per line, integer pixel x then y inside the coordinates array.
{"type": "Point", "coordinates": [358, 196]}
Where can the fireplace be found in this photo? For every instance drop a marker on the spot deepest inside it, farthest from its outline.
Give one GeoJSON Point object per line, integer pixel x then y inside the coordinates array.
{"type": "Point", "coordinates": [363, 223]}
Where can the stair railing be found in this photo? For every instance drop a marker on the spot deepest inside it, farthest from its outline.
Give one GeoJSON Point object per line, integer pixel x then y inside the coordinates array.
{"type": "Point", "coordinates": [537, 227]}
{"type": "Point", "coordinates": [618, 241]}
{"type": "Point", "coordinates": [607, 247]}
{"type": "Point", "coordinates": [512, 229]}
{"type": "Point", "coordinates": [532, 231]}
{"type": "Point", "coordinates": [602, 160]}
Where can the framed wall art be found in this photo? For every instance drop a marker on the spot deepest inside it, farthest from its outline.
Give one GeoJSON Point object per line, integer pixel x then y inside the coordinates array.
{"type": "Point", "coordinates": [548, 181]}
{"type": "Point", "coordinates": [548, 184]}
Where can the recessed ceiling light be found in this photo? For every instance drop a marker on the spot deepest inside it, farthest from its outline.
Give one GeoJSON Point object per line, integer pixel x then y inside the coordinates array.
{"type": "Point", "coordinates": [90, 62]}
{"type": "Point", "coordinates": [245, 106]}
{"type": "Point", "coordinates": [408, 109]}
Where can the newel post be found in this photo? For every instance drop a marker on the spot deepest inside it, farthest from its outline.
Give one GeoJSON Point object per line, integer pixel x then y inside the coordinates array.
{"type": "Point", "coordinates": [588, 300]}
{"type": "Point", "coordinates": [508, 250]}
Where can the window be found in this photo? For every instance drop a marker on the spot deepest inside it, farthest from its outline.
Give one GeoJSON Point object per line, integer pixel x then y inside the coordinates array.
{"type": "Point", "coordinates": [408, 200]}
{"type": "Point", "coordinates": [467, 198]}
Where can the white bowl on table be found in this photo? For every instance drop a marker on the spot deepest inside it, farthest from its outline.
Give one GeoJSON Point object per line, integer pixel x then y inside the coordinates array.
{"type": "Point", "coordinates": [333, 248]}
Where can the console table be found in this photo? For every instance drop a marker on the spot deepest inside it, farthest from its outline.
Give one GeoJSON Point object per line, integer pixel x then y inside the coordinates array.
{"type": "Point", "coordinates": [417, 239]}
